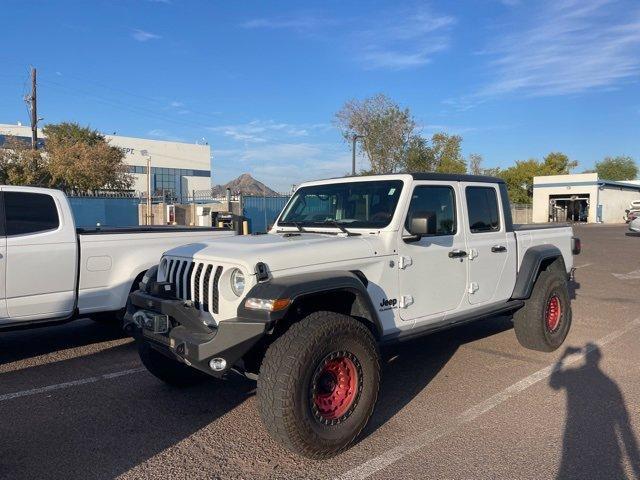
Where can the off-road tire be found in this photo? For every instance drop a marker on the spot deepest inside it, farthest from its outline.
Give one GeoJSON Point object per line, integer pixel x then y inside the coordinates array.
{"type": "Point", "coordinates": [169, 371]}
{"type": "Point", "coordinates": [289, 372]}
{"type": "Point", "coordinates": [531, 321]}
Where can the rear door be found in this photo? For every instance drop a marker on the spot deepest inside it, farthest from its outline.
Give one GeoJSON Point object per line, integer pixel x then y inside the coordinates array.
{"type": "Point", "coordinates": [40, 255]}
{"type": "Point", "coordinates": [490, 248]}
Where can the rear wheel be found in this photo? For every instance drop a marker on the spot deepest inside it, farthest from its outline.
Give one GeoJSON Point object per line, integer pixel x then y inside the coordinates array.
{"type": "Point", "coordinates": [318, 384]}
{"type": "Point", "coordinates": [168, 370]}
{"type": "Point", "coordinates": [544, 321]}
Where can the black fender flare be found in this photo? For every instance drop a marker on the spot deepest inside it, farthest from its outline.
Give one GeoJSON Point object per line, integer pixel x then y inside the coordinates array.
{"type": "Point", "coordinates": [530, 267]}
{"type": "Point", "coordinates": [296, 287]}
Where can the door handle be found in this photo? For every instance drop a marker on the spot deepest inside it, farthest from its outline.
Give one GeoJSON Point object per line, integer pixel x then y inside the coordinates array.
{"type": "Point", "coordinates": [498, 248]}
{"type": "Point", "coordinates": [457, 253]}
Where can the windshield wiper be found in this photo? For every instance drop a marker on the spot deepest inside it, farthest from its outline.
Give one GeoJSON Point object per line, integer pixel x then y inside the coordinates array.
{"type": "Point", "coordinates": [298, 226]}
{"type": "Point", "coordinates": [341, 227]}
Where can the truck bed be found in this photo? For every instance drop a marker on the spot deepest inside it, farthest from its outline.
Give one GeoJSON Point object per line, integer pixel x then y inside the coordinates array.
{"type": "Point", "coordinates": [110, 258]}
{"type": "Point", "coordinates": [519, 227]}
{"type": "Point", "coordinates": [557, 234]}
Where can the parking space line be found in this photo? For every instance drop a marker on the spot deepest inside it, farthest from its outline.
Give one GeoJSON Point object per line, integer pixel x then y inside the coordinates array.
{"type": "Point", "coordinates": [75, 383]}
{"type": "Point", "coordinates": [415, 444]}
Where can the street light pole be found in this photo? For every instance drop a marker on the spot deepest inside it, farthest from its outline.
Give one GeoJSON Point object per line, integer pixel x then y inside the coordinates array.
{"type": "Point", "coordinates": [149, 216]}
{"type": "Point", "coordinates": [353, 154]}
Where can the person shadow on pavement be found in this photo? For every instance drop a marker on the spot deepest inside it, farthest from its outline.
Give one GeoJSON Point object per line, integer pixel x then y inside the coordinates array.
{"type": "Point", "coordinates": [597, 431]}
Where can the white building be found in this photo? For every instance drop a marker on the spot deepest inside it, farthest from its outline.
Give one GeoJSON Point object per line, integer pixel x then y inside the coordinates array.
{"type": "Point", "coordinates": [582, 197]}
{"type": "Point", "coordinates": [177, 167]}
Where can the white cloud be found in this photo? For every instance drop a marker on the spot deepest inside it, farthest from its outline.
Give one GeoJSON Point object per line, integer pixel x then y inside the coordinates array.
{"type": "Point", "coordinates": [404, 39]}
{"type": "Point", "coordinates": [164, 135]}
{"type": "Point", "coordinates": [567, 47]}
{"type": "Point", "coordinates": [395, 39]}
{"type": "Point", "coordinates": [302, 23]}
{"type": "Point", "coordinates": [281, 164]}
{"type": "Point", "coordinates": [143, 36]}
{"type": "Point", "coordinates": [259, 131]}
{"type": "Point", "coordinates": [176, 104]}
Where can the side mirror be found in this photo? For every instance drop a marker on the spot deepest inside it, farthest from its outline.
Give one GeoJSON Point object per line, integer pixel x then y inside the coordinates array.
{"type": "Point", "coordinates": [422, 224]}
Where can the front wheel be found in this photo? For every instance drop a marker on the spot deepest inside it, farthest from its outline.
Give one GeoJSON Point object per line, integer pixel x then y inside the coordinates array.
{"type": "Point", "coordinates": [318, 384]}
{"type": "Point", "coordinates": [544, 321]}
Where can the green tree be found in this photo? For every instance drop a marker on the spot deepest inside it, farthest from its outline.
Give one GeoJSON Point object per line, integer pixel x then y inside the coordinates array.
{"type": "Point", "coordinates": [81, 159]}
{"type": "Point", "coordinates": [519, 178]}
{"type": "Point", "coordinates": [384, 128]}
{"type": "Point", "coordinates": [557, 163]}
{"type": "Point", "coordinates": [444, 155]}
{"type": "Point", "coordinates": [419, 156]}
{"type": "Point", "coordinates": [447, 153]}
{"type": "Point", "coordinates": [617, 168]}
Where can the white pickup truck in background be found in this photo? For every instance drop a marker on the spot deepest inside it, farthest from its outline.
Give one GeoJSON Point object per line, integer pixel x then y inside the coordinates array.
{"type": "Point", "coordinates": [50, 271]}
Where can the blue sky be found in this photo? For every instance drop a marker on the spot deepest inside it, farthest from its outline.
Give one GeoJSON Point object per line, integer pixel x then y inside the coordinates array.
{"type": "Point", "coordinates": [262, 80]}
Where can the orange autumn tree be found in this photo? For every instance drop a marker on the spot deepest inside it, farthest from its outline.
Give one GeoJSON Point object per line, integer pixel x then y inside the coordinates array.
{"type": "Point", "coordinates": [81, 159]}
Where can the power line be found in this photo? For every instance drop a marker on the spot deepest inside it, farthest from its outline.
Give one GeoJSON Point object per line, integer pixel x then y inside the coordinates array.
{"type": "Point", "coordinates": [132, 94]}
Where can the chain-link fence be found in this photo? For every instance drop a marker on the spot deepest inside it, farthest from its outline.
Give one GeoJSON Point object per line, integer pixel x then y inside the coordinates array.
{"type": "Point", "coordinates": [522, 213]}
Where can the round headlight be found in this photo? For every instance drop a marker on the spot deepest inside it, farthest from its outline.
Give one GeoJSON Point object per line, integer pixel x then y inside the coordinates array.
{"type": "Point", "coordinates": [237, 282]}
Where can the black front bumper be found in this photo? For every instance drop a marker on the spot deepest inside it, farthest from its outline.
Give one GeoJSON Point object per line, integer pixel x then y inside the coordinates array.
{"type": "Point", "coordinates": [191, 341]}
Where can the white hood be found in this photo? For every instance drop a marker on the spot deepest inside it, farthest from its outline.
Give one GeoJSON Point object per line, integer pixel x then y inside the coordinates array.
{"type": "Point", "coordinates": [280, 251]}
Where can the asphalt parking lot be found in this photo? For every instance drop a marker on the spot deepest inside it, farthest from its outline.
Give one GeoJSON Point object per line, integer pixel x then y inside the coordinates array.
{"type": "Point", "coordinates": [466, 403]}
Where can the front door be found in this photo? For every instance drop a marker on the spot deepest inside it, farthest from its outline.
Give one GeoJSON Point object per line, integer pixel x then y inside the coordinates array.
{"type": "Point", "coordinates": [40, 261]}
{"type": "Point", "coordinates": [487, 244]}
{"type": "Point", "coordinates": [433, 270]}
{"type": "Point", "coordinates": [3, 264]}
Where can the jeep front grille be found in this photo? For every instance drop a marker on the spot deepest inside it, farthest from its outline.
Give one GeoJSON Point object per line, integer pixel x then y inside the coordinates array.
{"type": "Point", "coordinates": [194, 281]}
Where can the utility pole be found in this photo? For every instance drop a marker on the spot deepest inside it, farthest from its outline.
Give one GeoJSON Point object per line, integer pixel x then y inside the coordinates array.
{"type": "Point", "coordinates": [353, 154]}
{"type": "Point", "coordinates": [32, 100]}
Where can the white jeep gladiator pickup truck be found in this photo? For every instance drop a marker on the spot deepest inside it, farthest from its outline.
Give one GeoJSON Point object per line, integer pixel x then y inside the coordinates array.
{"type": "Point", "coordinates": [52, 272]}
{"type": "Point", "coordinates": [351, 263]}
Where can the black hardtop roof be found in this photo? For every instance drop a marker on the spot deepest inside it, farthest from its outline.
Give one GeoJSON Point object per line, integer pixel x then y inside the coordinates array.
{"type": "Point", "coordinates": [455, 177]}
{"type": "Point", "coordinates": [445, 177]}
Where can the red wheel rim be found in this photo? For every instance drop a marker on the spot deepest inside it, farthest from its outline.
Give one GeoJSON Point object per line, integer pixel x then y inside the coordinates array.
{"type": "Point", "coordinates": [553, 313]}
{"type": "Point", "coordinates": [335, 387]}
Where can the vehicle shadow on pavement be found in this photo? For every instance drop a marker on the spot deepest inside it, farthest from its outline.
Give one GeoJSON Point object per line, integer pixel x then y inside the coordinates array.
{"type": "Point", "coordinates": [104, 429]}
{"type": "Point", "coordinates": [18, 345]}
{"type": "Point", "coordinates": [598, 433]}
{"type": "Point", "coordinates": [409, 367]}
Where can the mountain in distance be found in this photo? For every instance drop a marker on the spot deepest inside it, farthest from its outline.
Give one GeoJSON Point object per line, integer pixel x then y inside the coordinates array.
{"type": "Point", "coordinates": [245, 184]}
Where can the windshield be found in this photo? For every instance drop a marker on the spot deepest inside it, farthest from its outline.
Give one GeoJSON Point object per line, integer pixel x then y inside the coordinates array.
{"type": "Point", "coordinates": [356, 204]}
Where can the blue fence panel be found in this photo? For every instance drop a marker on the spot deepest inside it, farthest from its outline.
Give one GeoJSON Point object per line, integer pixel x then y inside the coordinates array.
{"type": "Point", "coordinates": [108, 212]}
{"type": "Point", "coordinates": [261, 212]}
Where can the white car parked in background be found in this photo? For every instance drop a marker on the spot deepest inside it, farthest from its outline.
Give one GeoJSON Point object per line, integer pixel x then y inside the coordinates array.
{"type": "Point", "coordinates": [634, 225]}
{"type": "Point", "coordinates": [51, 271]}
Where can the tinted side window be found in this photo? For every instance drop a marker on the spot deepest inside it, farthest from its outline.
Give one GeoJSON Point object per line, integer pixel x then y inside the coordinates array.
{"type": "Point", "coordinates": [29, 213]}
{"type": "Point", "coordinates": [482, 205]}
{"type": "Point", "coordinates": [439, 201]}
